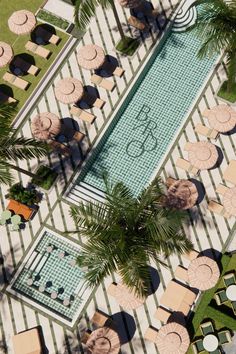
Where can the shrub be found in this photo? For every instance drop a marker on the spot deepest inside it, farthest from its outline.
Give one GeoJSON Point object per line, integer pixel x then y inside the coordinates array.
{"type": "Point", "coordinates": [23, 195]}
{"type": "Point", "coordinates": [48, 177]}
{"type": "Point", "coordinates": [52, 19]}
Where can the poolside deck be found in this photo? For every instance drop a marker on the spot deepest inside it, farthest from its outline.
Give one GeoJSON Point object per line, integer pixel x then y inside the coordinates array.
{"type": "Point", "coordinates": [206, 230]}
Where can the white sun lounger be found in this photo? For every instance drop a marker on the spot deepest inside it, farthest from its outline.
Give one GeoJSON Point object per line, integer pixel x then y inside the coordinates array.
{"type": "Point", "coordinates": [206, 131]}
{"type": "Point", "coordinates": [217, 208]}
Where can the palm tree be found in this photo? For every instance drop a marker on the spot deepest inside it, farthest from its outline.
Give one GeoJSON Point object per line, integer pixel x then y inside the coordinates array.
{"type": "Point", "coordinates": [217, 27]}
{"type": "Point", "coordinates": [86, 9]}
{"type": "Point", "coordinates": [125, 232]}
{"type": "Point", "coordinates": [14, 148]}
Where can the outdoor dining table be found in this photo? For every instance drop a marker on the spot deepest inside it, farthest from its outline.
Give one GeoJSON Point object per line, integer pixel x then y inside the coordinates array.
{"type": "Point", "coordinates": [182, 194]}
{"type": "Point", "coordinates": [210, 342]}
{"type": "Point", "coordinates": [231, 292]}
{"type": "Point", "coordinates": [103, 340]}
{"type": "Point", "coordinates": [229, 201]}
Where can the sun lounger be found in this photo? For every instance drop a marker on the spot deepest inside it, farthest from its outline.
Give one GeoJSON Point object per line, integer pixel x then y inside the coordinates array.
{"type": "Point", "coordinates": [25, 66]}
{"type": "Point", "coordinates": [191, 255]}
{"type": "Point", "coordinates": [221, 189]}
{"type": "Point", "coordinates": [78, 136]}
{"type": "Point", "coordinates": [186, 166]}
{"type": "Point", "coordinates": [138, 24]}
{"type": "Point", "coordinates": [93, 101]}
{"type": "Point", "coordinates": [85, 336]}
{"type": "Point", "coordinates": [162, 314]}
{"type": "Point", "coordinates": [101, 82]}
{"type": "Point", "coordinates": [80, 113]}
{"type": "Point", "coordinates": [181, 273]}
{"type": "Point", "coordinates": [230, 172]}
{"type": "Point", "coordinates": [27, 342]}
{"type": "Point", "coordinates": [16, 81]}
{"type": "Point", "coordinates": [61, 148]}
{"type": "Point", "coordinates": [151, 334]}
{"type": "Point", "coordinates": [47, 36]}
{"type": "Point", "coordinates": [111, 290]}
{"type": "Point", "coordinates": [37, 49]}
{"type": "Point", "coordinates": [206, 131]}
{"type": "Point", "coordinates": [217, 208]}
{"type": "Point", "coordinates": [115, 70]}
{"type": "Point", "coordinates": [6, 98]}
{"type": "Point", "coordinates": [184, 308]}
{"type": "Point", "coordinates": [99, 319]}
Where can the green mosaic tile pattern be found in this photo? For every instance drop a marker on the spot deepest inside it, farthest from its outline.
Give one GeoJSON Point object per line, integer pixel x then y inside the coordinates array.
{"type": "Point", "coordinates": [54, 273]}
{"type": "Point", "coordinates": [133, 147]}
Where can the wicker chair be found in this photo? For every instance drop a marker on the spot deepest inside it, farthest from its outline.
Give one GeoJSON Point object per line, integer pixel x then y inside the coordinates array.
{"type": "Point", "coordinates": [206, 328]}
{"type": "Point", "coordinates": [197, 346]}
{"type": "Point", "coordinates": [221, 297]}
{"type": "Point", "coordinates": [224, 337]}
{"type": "Point", "coordinates": [229, 279]}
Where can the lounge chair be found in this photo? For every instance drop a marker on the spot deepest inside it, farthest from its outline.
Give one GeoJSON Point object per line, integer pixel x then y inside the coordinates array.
{"type": "Point", "coordinates": [186, 166]}
{"type": "Point", "coordinates": [25, 66]}
{"type": "Point", "coordinates": [181, 273]}
{"type": "Point", "coordinates": [221, 297]}
{"type": "Point", "coordinates": [27, 342]}
{"type": "Point", "coordinates": [224, 337]}
{"type": "Point", "coordinates": [230, 172]}
{"type": "Point", "coordinates": [217, 208]}
{"type": "Point", "coordinates": [47, 36]}
{"type": "Point", "coordinates": [80, 113]}
{"type": "Point", "coordinates": [162, 314]}
{"type": "Point", "coordinates": [197, 346]}
{"type": "Point", "coordinates": [101, 82]}
{"type": "Point", "coordinates": [151, 334]}
{"type": "Point", "coordinates": [85, 336]}
{"type": "Point", "coordinates": [6, 98]}
{"type": "Point", "coordinates": [191, 255]}
{"type": "Point", "coordinates": [207, 328]}
{"type": "Point", "coordinates": [37, 49]}
{"type": "Point", "coordinates": [61, 148]}
{"type": "Point", "coordinates": [221, 189]}
{"type": "Point", "coordinates": [99, 319]}
{"type": "Point", "coordinates": [113, 69]}
{"type": "Point", "coordinates": [138, 24]}
{"type": "Point", "coordinates": [111, 290]}
{"type": "Point", "coordinates": [78, 136]}
{"type": "Point", "coordinates": [16, 81]}
{"type": "Point", "coordinates": [206, 131]}
{"type": "Point", "coordinates": [233, 305]}
{"type": "Point", "coordinates": [93, 100]}
{"type": "Point", "coordinates": [229, 279]}
{"type": "Point", "coordinates": [184, 308]}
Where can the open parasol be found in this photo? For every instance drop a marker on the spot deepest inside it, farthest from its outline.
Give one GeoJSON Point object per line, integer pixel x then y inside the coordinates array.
{"type": "Point", "coordinates": [45, 126]}
{"type": "Point", "coordinates": [22, 22]}
{"type": "Point", "coordinates": [91, 57]}
{"type": "Point", "coordinates": [69, 90]}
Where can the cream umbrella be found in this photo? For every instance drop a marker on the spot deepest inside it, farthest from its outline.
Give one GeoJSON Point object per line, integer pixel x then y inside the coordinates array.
{"type": "Point", "coordinates": [45, 126]}
{"type": "Point", "coordinates": [229, 201]}
{"type": "Point", "coordinates": [131, 4]}
{"type": "Point", "coordinates": [69, 90]}
{"type": "Point", "coordinates": [6, 53]}
{"type": "Point", "coordinates": [203, 273]}
{"type": "Point", "coordinates": [203, 155]}
{"type": "Point", "coordinates": [172, 338]}
{"type": "Point", "coordinates": [91, 57]}
{"type": "Point", "coordinates": [221, 117]}
{"type": "Point", "coordinates": [22, 22]}
{"type": "Point", "coordinates": [126, 298]}
{"type": "Point", "coordinates": [103, 341]}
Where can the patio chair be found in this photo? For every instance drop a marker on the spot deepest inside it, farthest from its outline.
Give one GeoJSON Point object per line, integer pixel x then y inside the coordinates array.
{"type": "Point", "coordinates": [217, 351]}
{"type": "Point", "coordinates": [181, 273]}
{"type": "Point", "coordinates": [151, 334]}
{"type": "Point", "coordinates": [25, 66]}
{"type": "Point", "coordinates": [186, 166]}
{"type": "Point", "coordinates": [233, 305]}
{"type": "Point", "coordinates": [220, 297]}
{"type": "Point", "coordinates": [229, 279]}
{"type": "Point", "coordinates": [78, 136]}
{"type": "Point", "coordinates": [221, 189]}
{"type": "Point", "coordinates": [162, 314]}
{"type": "Point", "coordinates": [6, 98]}
{"type": "Point", "coordinates": [27, 342]}
{"type": "Point", "coordinates": [93, 100]}
{"type": "Point", "coordinates": [85, 336]}
{"type": "Point", "coordinates": [60, 148]}
{"type": "Point", "coordinates": [206, 328]}
{"type": "Point", "coordinates": [224, 337]}
{"type": "Point", "coordinates": [217, 208]}
{"type": "Point", "coordinates": [113, 69]}
{"type": "Point", "coordinates": [100, 318]}
{"type": "Point", "coordinates": [191, 255]}
{"type": "Point", "coordinates": [85, 116]}
{"type": "Point", "coordinates": [206, 131]}
{"type": "Point", "coordinates": [37, 49]}
{"type": "Point", "coordinates": [47, 36]}
{"type": "Point", "coordinates": [16, 81]}
{"type": "Point", "coordinates": [101, 82]}
{"type": "Point", "coordinates": [197, 346]}
{"type": "Point", "coordinates": [138, 24]}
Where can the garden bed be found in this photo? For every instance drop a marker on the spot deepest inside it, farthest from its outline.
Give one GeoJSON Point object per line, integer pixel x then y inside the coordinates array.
{"type": "Point", "coordinates": [225, 95]}
{"type": "Point", "coordinates": [52, 19]}
{"type": "Point", "coordinates": [48, 176]}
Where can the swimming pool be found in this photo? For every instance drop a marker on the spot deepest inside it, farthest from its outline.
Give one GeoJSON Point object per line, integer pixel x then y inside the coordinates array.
{"type": "Point", "coordinates": [50, 279]}
{"type": "Point", "coordinates": [143, 129]}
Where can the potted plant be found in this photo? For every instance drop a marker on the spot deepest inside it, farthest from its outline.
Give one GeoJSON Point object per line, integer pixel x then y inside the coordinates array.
{"type": "Point", "coordinates": [47, 178]}
{"type": "Point", "coordinates": [24, 195]}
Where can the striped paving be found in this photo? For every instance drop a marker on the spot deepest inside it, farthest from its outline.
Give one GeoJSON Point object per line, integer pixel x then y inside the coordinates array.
{"type": "Point", "coordinates": [206, 230]}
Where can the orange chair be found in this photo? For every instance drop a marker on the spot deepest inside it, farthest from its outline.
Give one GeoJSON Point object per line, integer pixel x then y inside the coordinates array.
{"type": "Point", "coordinates": [20, 209]}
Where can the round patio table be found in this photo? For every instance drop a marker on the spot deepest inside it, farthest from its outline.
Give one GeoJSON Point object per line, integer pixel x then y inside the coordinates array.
{"type": "Point", "coordinates": [231, 292]}
{"type": "Point", "coordinates": [210, 342]}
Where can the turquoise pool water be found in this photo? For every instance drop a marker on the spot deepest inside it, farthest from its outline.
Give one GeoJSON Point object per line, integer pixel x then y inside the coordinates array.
{"type": "Point", "coordinates": [142, 130]}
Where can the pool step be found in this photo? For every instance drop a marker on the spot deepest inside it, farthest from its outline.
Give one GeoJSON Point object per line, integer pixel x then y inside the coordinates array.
{"type": "Point", "coordinates": [85, 192]}
{"type": "Point", "coordinates": [186, 17]}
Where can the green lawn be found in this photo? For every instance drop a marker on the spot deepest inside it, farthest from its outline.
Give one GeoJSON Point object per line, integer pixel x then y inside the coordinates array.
{"type": "Point", "coordinates": [18, 44]}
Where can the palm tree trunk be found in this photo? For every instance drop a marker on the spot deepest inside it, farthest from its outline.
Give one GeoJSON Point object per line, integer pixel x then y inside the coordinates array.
{"type": "Point", "coordinates": [28, 173]}
{"type": "Point", "coordinates": [231, 70]}
{"type": "Point", "coordinates": [119, 26]}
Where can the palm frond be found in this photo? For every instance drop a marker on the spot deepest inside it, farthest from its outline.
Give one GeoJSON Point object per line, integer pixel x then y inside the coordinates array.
{"type": "Point", "coordinates": [5, 174]}
{"type": "Point", "coordinates": [85, 10]}
{"type": "Point", "coordinates": [13, 148]}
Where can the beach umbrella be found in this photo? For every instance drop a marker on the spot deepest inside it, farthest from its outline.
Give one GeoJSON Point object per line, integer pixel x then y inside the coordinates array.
{"type": "Point", "coordinates": [91, 57]}
{"type": "Point", "coordinates": [221, 118]}
{"type": "Point", "coordinates": [69, 90]}
{"type": "Point", "coordinates": [172, 338]}
{"type": "Point", "coordinates": [45, 126]}
{"type": "Point", "coordinates": [6, 53]}
{"type": "Point", "coordinates": [22, 22]}
{"type": "Point", "coordinates": [202, 155]}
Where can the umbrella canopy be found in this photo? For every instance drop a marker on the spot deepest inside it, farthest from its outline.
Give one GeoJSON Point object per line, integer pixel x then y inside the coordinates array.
{"type": "Point", "coordinates": [6, 54]}
{"type": "Point", "coordinates": [126, 298]}
{"type": "Point", "coordinates": [69, 90]}
{"type": "Point", "coordinates": [203, 273]}
{"type": "Point", "coordinates": [91, 57]}
{"type": "Point", "coordinates": [182, 194]}
{"type": "Point", "coordinates": [221, 117]}
{"type": "Point", "coordinates": [229, 201]}
{"type": "Point", "coordinates": [203, 155]}
{"type": "Point", "coordinates": [45, 126]}
{"type": "Point", "coordinates": [172, 339]}
{"type": "Point", "coordinates": [22, 22]}
{"type": "Point", "coordinates": [103, 341]}
{"type": "Point", "coordinates": [131, 4]}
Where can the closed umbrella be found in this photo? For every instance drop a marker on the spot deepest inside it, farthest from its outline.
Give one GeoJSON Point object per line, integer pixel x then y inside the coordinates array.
{"type": "Point", "coordinates": [203, 273]}
{"type": "Point", "coordinates": [45, 126]}
{"type": "Point", "coordinates": [203, 155]}
{"type": "Point", "coordinates": [22, 22]}
{"type": "Point", "coordinates": [221, 117]}
{"type": "Point", "coordinates": [172, 338]}
{"type": "Point", "coordinates": [6, 53]}
{"type": "Point", "coordinates": [69, 90]}
{"type": "Point", "coordinates": [91, 57]}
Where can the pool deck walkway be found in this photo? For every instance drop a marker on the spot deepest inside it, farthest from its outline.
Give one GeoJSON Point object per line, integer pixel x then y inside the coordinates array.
{"type": "Point", "coordinates": [205, 229]}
